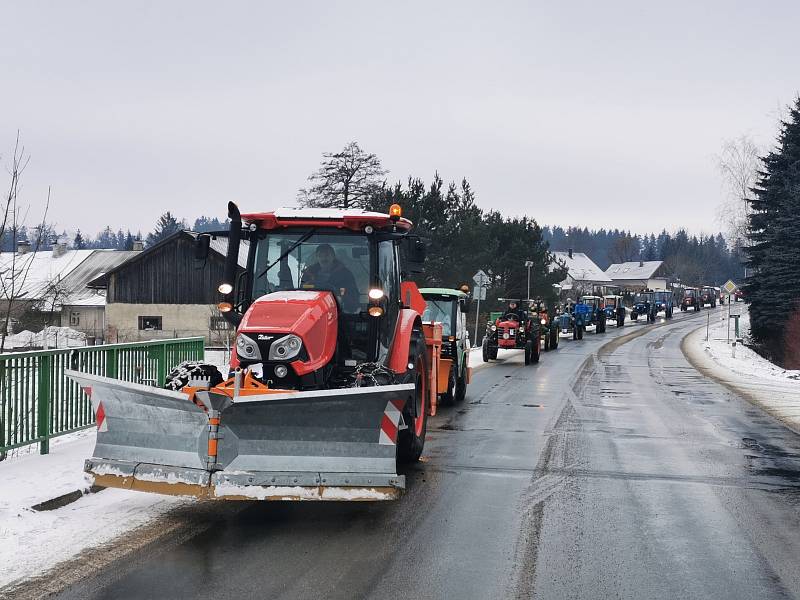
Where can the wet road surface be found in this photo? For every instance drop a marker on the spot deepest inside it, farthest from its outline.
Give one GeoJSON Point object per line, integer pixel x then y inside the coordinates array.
{"type": "Point", "coordinates": [610, 469]}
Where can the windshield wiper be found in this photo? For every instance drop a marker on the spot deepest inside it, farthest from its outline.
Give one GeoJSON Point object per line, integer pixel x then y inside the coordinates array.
{"type": "Point", "coordinates": [304, 238]}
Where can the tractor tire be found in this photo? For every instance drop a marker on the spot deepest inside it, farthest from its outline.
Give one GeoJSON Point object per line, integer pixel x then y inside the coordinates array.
{"type": "Point", "coordinates": [554, 339]}
{"type": "Point", "coordinates": [537, 350]}
{"type": "Point", "coordinates": [621, 322]}
{"type": "Point", "coordinates": [580, 332]}
{"type": "Point", "coordinates": [575, 333]}
{"type": "Point", "coordinates": [485, 350]}
{"type": "Point", "coordinates": [528, 352]}
{"type": "Point", "coordinates": [461, 383]}
{"type": "Point", "coordinates": [547, 343]}
{"type": "Point", "coordinates": [411, 440]}
{"type": "Point", "coordinates": [192, 369]}
{"type": "Point", "coordinates": [634, 316]}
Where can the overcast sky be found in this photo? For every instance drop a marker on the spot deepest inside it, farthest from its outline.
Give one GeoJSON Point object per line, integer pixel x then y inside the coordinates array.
{"type": "Point", "coordinates": [596, 113]}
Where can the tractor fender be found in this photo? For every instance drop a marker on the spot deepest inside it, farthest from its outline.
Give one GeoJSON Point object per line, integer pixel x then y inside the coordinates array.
{"type": "Point", "coordinates": [398, 353]}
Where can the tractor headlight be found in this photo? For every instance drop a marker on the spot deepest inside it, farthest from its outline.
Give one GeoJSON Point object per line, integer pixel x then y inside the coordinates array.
{"type": "Point", "coordinates": [494, 327]}
{"type": "Point", "coordinates": [285, 348]}
{"type": "Point", "coordinates": [544, 321]}
{"type": "Point", "coordinates": [246, 348]}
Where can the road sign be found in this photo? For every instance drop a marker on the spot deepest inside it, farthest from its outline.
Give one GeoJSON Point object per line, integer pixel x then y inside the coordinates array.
{"type": "Point", "coordinates": [479, 293]}
{"type": "Point", "coordinates": [730, 287]}
{"type": "Point", "coordinates": [480, 278]}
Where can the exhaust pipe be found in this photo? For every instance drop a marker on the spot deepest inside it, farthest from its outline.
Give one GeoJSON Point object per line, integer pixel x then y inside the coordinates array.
{"type": "Point", "coordinates": [232, 260]}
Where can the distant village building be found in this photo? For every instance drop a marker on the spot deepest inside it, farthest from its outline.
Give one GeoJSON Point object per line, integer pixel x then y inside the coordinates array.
{"type": "Point", "coordinates": [583, 275]}
{"type": "Point", "coordinates": [164, 292]}
{"type": "Point", "coordinates": [48, 287]}
{"type": "Point", "coordinates": [639, 275]}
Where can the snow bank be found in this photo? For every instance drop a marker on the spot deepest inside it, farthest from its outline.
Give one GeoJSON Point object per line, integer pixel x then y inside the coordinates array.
{"type": "Point", "coordinates": [50, 337]}
{"type": "Point", "coordinates": [35, 541]}
{"type": "Point", "coordinates": [769, 386]}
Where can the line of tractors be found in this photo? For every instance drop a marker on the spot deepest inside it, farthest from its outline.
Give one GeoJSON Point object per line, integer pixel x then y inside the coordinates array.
{"type": "Point", "coordinates": [530, 326]}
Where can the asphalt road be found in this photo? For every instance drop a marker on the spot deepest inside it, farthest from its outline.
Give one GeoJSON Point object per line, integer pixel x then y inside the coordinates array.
{"type": "Point", "coordinates": [610, 469]}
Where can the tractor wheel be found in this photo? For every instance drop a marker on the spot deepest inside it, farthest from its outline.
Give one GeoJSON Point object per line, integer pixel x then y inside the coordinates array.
{"type": "Point", "coordinates": [461, 383]}
{"type": "Point", "coordinates": [192, 369]}
{"type": "Point", "coordinates": [485, 350]}
{"type": "Point", "coordinates": [554, 339]}
{"type": "Point", "coordinates": [634, 316]}
{"type": "Point", "coordinates": [580, 332]}
{"type": "Point", "coordinates": [411, 440]}
{"type": "Point", "coordinates": [621, 322]}
{"type": "Point", "coordinates": [493, 352]}
{"type": "Point", "coordinates": [537, 350]}
{"type": "Point", "coordinates": [547, 343]}
{"type": "Point", "coordinates": [575, 332]}
{"type": "Point", "coordinates": [528, 352]}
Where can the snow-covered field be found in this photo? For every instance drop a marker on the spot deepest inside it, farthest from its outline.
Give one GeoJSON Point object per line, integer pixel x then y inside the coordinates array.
{"type": "Point", "coordinates": [775, 389]}
{"type": "Point", "coordinates": [34, 541]}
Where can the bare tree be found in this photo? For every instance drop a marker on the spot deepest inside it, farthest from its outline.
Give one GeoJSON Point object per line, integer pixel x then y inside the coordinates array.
{"type": "Point", "coordinates": [738, 164]}
{"type": "Point", "coordinates": [625, 249]}
{"type": "Point", "coordinates": [347, 179]}
{"type": "Point", "coordinates": [14, 270]}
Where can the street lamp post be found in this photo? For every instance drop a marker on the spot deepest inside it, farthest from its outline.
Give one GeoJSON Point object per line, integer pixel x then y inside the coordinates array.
{"type": "Point", "coordinates": [529, 264]}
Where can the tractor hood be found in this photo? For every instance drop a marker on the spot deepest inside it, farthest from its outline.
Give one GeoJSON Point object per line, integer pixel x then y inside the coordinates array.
{"type": "Point", "coordinates": [311, 315]}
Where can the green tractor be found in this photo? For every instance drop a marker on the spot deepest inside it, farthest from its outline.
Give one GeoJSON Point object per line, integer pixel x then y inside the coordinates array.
{"type": "Point", "coordinates": [449, 307]}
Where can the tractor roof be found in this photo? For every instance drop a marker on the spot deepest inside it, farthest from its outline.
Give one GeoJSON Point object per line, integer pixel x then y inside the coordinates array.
{"type": "Point", "coordinates": [442, 292]}
{"type": "Point", "coordinates": [355, 219]}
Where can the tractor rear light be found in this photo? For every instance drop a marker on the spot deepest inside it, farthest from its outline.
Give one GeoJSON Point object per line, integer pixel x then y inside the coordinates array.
{"type": "Point", "coordinates": [224, 307]}
{"type": "Point", "coordinates": [375, 311]}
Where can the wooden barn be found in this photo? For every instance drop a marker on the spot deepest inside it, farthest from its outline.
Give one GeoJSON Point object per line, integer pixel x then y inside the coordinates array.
{"type": "Point", "coordinates": [164, 292]}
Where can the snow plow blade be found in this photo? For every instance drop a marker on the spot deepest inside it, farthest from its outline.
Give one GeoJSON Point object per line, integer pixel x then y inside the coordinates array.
{"type": "Point", "coordinates": [319, 445]}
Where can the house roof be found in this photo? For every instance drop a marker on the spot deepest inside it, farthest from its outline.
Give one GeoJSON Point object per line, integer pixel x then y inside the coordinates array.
{"type": "Point", "coordinates": [56, 279]}
{"type": "Point", "coordinates": [219, 245]}
{"type": "Point", "coordinates": [581, 268]}
{"type": "Point", "coordinates": [634, 270]}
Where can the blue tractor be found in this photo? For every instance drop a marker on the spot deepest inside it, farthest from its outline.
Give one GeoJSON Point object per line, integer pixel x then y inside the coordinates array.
{"type": "Point", "coordinates": [664, 301]}
{"type": "Point", "coordinates": [573, 319]}
{"type": "Point", "coordinates": [597, 313]}
{"type": "Point", "coordinates": [644, 304]}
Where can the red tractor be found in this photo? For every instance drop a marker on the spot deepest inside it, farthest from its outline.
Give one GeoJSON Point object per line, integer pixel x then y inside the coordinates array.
{"type": "Point", "coordinates": [331, 382]}
{"type": "Point", "coordinates": [517, 329]}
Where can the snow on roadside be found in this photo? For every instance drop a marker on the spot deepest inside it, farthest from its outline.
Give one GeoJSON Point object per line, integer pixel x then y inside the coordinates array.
{"type": "Point", "coordinates": [747, 362]}
{"type": "Point", "coordinates": [773, 388]}
{"type": "Point", "coordinates": [35, 541]}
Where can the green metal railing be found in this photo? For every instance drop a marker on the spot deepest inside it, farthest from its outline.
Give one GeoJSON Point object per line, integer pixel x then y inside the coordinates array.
{"type": "Point", "coordinates": [38, 402]}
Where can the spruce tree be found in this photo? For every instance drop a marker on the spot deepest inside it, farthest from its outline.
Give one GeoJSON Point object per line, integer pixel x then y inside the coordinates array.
{"type": "Point", "coordinates": [78, 243]}
{"type": "Point", "coordinates": [773, 282]}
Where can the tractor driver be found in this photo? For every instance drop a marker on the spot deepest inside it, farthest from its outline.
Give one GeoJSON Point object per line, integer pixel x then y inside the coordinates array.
{"type": "Point", "coordinates": [328, 273]}
{"type": "Point", "coordinates": [514, 309]}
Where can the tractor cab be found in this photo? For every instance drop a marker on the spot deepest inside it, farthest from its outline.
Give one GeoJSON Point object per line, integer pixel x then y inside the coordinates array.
{"type": "Point", "coordinates": [644, 304]}
{"type": "Point", "coordinates": [614, 309]}
{"type": "Point", "coordinates": [708, 295]}
{"type": "Point", "coordinates": [315, 293]}
{"type": "Point", "coordinates": [596, 312]}
{"type": "Point", "coordinates": [664, 301]}
{"type": "Point", "coordinates": [690, 300]}
{"type": "Point", "coordinates": [449, 307]}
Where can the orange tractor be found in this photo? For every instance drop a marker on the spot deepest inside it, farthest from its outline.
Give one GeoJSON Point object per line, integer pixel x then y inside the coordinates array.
{"type": "Point", "coordinates": [331, 381]}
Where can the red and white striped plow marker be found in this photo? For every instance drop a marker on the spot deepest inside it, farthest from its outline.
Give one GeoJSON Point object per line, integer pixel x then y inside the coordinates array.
{"type": "Point", "coordinates": [390, 422]}
{"type": "Point", "coordinates": [99, 411]}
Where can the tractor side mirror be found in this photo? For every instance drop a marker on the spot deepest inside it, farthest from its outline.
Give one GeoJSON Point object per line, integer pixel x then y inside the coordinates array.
{"type": "Point", "coordinates": [415, 253]}
{"type": "Point", "coordinates": [201, 246]}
